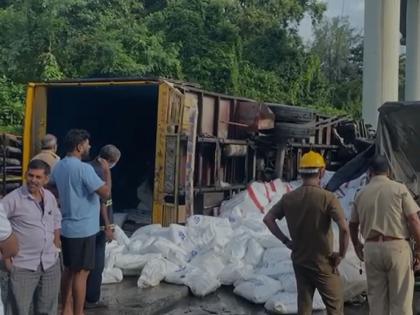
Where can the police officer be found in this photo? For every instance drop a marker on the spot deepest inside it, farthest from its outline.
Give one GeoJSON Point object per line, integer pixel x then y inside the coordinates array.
{"type": "Point", "coordinates": [309, 211]}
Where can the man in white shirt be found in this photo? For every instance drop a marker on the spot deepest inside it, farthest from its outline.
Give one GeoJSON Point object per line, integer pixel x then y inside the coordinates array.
{"type": "Point", "coordinates": [8, 242]}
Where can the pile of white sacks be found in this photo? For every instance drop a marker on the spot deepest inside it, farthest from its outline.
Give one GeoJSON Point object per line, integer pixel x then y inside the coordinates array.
{"type": "Point", "coordinates": [233, 249]}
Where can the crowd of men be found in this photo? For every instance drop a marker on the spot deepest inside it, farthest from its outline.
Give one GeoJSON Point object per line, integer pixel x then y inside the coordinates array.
{"type": "Point", "coordinates": [54, 228]}
{"type": "Point", "coordinates": [65, 207]}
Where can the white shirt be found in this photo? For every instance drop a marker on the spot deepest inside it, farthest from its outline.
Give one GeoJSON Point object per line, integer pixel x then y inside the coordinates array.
{"type": "Point", "coordinates": [5, 231]}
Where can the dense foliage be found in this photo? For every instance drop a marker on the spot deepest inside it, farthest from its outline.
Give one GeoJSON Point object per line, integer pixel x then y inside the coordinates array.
{"type": "Point", "coordinates": [244, 47]}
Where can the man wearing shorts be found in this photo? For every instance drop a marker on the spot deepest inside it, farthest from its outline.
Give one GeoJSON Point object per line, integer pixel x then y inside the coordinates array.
{"type": "Point", "coordinates": [79, 189]}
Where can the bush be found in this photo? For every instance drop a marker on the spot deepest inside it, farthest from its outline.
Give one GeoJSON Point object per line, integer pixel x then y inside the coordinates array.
{"type": "Point", "coordinates": [11, 104]}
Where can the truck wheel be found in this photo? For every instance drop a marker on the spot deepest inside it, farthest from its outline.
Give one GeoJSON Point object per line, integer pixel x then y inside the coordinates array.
{"type": "Point", "coordinates": [293, 114]}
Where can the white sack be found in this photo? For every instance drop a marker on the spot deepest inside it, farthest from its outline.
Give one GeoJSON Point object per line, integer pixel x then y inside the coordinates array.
{"type": "Point", "coordinates": [254, 253]}
{"type": "Point", "coordinates": [276, 254]}
{"type": "Point", "coordinates": [135, 246]}
{"type": "Point", "coordinates": [112, 275]}
{"type": "Point", "coordinates": [112, 250]}
{"type": "Point", "coordinates": [275, 269]}
{"type": "Point", "coordinates": [154, 272]}
{"type": "Point", "coordinates": [269, 241]}
{"type": "Point", "coordinates": [234, 272]}
{"type": "Point", "coordinates": [235, 250]}
{"type": "Point", "coordinates": [207, 232]}
{"type": "Point", "coordinates": [209, 262]}
{"type": "Point", "coordinates": [145, 231]}
{"type": "Point", "coordinates": [288, 281]}
{"type": "Point", "coordinates": [286, 303]}
{"type": "Point", "coordinates": [179, 275]}
{"type": "Point", "coordinates": [257, 289]}
{"type": "Point", "coordinates": [146, 242]}
{"type": "Point", "coordinates": [177, 233]}
{"type": "Point", "coordinates": [234, 215]}
{"type": "Point", "coordinates": [201, 283]}
{"type": "Point", "coordinates": [134, 261]}
{"type": "Point", "coordinates": [169, 250]}
{"type": "Point", "coordinates": [121, 237]}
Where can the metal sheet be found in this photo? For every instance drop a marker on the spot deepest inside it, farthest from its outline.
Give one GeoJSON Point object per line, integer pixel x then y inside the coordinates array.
{"type": "Point", "coordinates": [224, 116]}
{"type": "Point", "coordinates": [207, 116]}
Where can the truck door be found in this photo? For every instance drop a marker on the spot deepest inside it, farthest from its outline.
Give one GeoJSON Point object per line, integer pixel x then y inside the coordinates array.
{"type": "Point", "coordinates": [166, 208]}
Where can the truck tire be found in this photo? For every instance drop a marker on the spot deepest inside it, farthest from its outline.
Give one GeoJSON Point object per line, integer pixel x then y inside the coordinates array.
{"type": "Point", "coordinates": [293, 114]}
{"type": "Point", "coordinates": [283, 130]}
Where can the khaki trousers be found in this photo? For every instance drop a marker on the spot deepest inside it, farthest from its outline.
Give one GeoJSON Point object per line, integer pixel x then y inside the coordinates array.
{"type": "Point", "coordinates": [329, 287]}
{"type": "Point", "coordinates": [390, 277]}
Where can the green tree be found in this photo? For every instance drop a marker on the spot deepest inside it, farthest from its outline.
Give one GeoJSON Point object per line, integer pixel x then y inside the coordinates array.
{"type": "Point", "coordinates": [340, 50]}
{"type": "Point", "coordinates": [11, 103]}
{"type": "Point", "coordinates": [244, 47]}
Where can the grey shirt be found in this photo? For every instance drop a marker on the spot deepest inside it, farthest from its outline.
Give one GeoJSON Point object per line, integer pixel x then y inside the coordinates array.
{"type": "Point", "coordinates": [34, 227]}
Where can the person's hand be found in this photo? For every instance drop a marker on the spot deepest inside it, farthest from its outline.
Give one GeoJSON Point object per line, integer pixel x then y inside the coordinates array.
{"type": "Point", "coordinates": [289, 244]}
{"type": "Point", "coordinates": [416, 263]}
{"type": "Point", "coordinates": [359, 251]}
{"type": "Point", "coordinates": [109, 234]}
{"type": "Point", "coordinates": [8, 264]}
{"type": "Point", "coordinates": [104, 164]}
{"type": "Point", "coordinates": [57, 242]}
{"type": "Point", "coordinates": [335, 260]}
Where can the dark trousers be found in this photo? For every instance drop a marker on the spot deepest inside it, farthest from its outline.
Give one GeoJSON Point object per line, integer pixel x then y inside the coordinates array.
{"type": "Point", "coordinates": [329, 287]}
{"type": "Point", "coordinates": [93, 285]}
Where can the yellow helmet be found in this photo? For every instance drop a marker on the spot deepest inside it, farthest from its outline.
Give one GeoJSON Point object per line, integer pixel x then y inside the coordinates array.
{"type": "Point", "coordinates": [311, 160]}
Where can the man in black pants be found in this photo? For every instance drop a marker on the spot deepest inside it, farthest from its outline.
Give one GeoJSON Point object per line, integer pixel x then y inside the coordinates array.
{"type": "Point", "coordinates": [111, 154]}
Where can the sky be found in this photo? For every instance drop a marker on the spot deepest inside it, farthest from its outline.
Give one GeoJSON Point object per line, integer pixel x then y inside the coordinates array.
{"type": "Point", "coordinates": [354, 9]}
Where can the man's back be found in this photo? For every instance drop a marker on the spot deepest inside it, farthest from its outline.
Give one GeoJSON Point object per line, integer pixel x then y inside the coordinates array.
{"type": "Point", "coordinates": [308, 212]}
{"type": "Point", "coordinates": [382, 207]}
{"type": "Point", "coordinates": [76, 183]}
{"type": "Point", "coordinates": [48, 157]}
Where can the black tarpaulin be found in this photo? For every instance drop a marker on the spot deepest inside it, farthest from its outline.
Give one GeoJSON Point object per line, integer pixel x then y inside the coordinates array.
{"type": "Point", "coordinates": [398, 138]}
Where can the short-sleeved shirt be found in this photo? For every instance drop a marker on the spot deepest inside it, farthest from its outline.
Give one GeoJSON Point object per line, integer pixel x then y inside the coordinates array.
{"type": "Point", "coordinates": [108, 202]}
{"type": "Point", "coordinates": [77, 183]}
{"type": "Point", "coordinates": [5, 232]}
{"type": "Point", "coordinates": [308, 211]}
{"type": "Point", "coordinates": [381, 207]}
{"type": "Point", "coordinates": [34, 225]}
{"type": "Point", "coordinates": [5, 227]}
{"type": "Point", "coordinates": [48, 157]}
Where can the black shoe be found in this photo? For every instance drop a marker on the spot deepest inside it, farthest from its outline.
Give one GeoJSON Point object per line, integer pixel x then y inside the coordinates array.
{"type": "Point", "coordinates": [99, 304]}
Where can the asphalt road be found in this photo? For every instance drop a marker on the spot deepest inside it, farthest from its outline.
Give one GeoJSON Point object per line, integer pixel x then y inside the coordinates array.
{"type": "Point", "coordinates": [165, 299]}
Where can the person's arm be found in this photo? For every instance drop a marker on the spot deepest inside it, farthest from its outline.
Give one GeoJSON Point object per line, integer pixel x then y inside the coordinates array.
{"type": "Point", "coordinates": [105, 190]}
{"type": "Point", "coordinates": [269, 220]}
{"type": "Point", "coordinates": [94, 184]}
{"type": "Point", "coordinates": [337, 214]}
{"type": "Point", "coordinates": [411, 212]}
{"type": "Point", "coordinates": [57, 222]}
{"type": "Point", "coordinates": [108, 230]}
{"type": "Point", "coordinates": [9, 247]}
{"type": "Point", "coordinates": [413, 223]}
{"type": "Point", "coordinates": [354, 232]}
{"type": "Point", "coordinates": [8, 243]}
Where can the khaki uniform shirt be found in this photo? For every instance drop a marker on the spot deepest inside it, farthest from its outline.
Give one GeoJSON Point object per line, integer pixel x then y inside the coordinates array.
{"type": "Point", "coordinates": [48, 157]}
{"type": "Point", "coordinates": [381, 208]}
{"type": "Point", "coordinates": [308, 211]}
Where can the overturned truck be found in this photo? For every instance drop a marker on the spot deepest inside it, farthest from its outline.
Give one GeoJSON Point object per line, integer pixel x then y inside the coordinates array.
{"type": "Point", "coordinates": [184, 149]}
{"type": "Point", "coordinates": [397, 138]}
